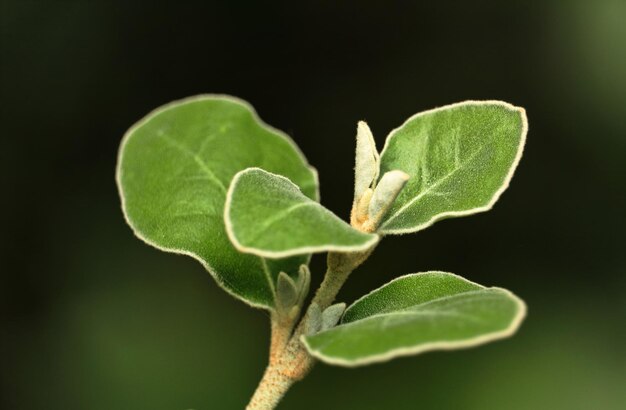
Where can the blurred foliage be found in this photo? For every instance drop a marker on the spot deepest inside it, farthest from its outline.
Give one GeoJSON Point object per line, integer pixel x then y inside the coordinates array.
{"type": "Point", "coordinates": [94, 319]}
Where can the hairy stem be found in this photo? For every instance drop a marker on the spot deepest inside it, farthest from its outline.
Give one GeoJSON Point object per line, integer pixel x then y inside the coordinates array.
{"type": "Point", "coordinates": [271, 389]}
{"type": "Point", "coordinates": [281, 332]}
{"type": "Point", "coordinates": [340, 265]}
{"type": "Point", "coordinates": [289, 361]}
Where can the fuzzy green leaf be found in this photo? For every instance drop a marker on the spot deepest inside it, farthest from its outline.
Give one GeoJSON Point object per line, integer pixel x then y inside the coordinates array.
{"type": "Point", "coordinates": [267, 215]}
{"type": "Point", "coordinates": [287, 292]}
{"type": "Point", "coordinates": [460, 158]}
{"type": "Point", "coordinates": [173, 171]}
{"type": "Point", "coordinates": [417, 313]}
{"type": "Point", "coordinates": [332, 314]}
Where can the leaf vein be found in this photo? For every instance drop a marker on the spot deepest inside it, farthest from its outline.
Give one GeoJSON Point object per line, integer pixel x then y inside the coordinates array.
{"type": "Point", "coordinates": [197, 159]}
{"type": "Point", "coordinates": [276, 218]}
{"type": "Point", "coordinates": [432, 187]}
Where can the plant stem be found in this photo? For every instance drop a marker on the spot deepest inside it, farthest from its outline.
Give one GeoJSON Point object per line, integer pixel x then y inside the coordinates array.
{"type": "Point", "coordinates": [271, 389]}
{"type": "Point", "coordinates": [340, 265]}
{"type": "Point", "coordinates": [281, 332]}
{"type": "Point", "coordinates": [289, 361]}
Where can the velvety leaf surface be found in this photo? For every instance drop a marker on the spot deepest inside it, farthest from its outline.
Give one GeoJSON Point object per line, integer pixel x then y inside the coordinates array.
{"type": "Point", "coordinates": [417, 313]}
{"type": "Point", "coordinates": [267, 215]}
{"type": "Point", "coordinates": [460, 158]}
{"type": "Point", "coordinates": [174, 168]}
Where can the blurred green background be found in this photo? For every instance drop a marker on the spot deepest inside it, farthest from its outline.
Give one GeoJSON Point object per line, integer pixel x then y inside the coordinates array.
{"type": "Point", "coordinates": [91, 318]}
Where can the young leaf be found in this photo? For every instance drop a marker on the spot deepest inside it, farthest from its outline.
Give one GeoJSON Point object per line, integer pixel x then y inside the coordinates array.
{"type": "Point", "coordinates": [267, 215]}
{"type": "Point", "coordinates": [173, 171]}
{"type": "Point", "coordinates": [417, 313]}
{"type": "Point", "coordinates": [303, 282]}
{"type": "Point", "coordinates": [386, 192]}
{"type": "Point", "coordinates": [332, 314]}
{"type": "Point", "coordinates": [286, 292]}
{"type": "Point", "coordinates": [460, 159]}
{"type": "Point", "coordinates": [314, 322]}
{"type": "Point", "coordinates": [366, 162]}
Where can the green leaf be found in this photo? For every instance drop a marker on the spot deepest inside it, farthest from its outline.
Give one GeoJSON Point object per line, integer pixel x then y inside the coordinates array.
{"type": "Point", "coordinates": [287, 292]}
{"type": "Point", "coordinates": [332, 314]}
{"type": "Point", "coordinates": [460, 158]}
{"type": "Point", "coordinates": [173, 171]}
{"type": "Point", "coordinates": [417, 313]}
{"type": "Point", "coordinates": [303, 282]}
{"type": "Point", "coordinates": [267, 215]}
{"type": "Point", "coordinates": [314, 321]}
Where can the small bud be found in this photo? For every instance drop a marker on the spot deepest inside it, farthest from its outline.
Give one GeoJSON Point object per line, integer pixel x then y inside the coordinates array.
{"type": "Point", "coordinates": [385, 194]}
{"type": "Point", "coordinates": [331, 315]}
{"type": "Point", "coordinates": [366, 163]}
{"type": "Point", "coordinates": [359, 210]}
{"type": "Point", "coordinates": [303, 283]}
{"type": "Point", "coordinates": [286, 293]}
{"type": "Point", "coordinates": [314, 320]}
{"type": "Point", "coordinates": [293, 312]}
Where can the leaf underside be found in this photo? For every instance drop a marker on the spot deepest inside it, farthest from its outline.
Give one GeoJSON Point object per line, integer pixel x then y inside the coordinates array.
{"type": "Point", "coordinates": [460, 158]}
{"type": "Point", "coordinates": [174, 168]}
{"type": "Point", "coordinates": [417, 313]}
{"type": "Point", "coordinates": [268, 215]}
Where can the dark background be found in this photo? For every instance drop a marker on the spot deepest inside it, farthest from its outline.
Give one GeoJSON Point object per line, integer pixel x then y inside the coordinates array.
{"type": "Point", "coordinates": [91, 318]}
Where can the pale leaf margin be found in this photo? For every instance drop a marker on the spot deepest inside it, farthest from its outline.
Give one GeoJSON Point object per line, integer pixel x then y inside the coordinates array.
{"type": "Point", "coordinates": [282, 254]}
{"type": "Point", "coordinates": [496, 195]}
{"type": "Point", "coordinates": [432, 346]}
{"type": "Point", "coordinates": [172, 104]}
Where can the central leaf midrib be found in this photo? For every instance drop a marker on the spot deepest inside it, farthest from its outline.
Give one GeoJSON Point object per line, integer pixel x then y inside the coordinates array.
{"type": "Point", "coordinates": [462, 298]}
{"type": "Point", "coordinates": [197, 159]}
{"type": "Point", "coordinates": [275, 219]}
{"type": "Point", "coordinates": [461, 165]}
